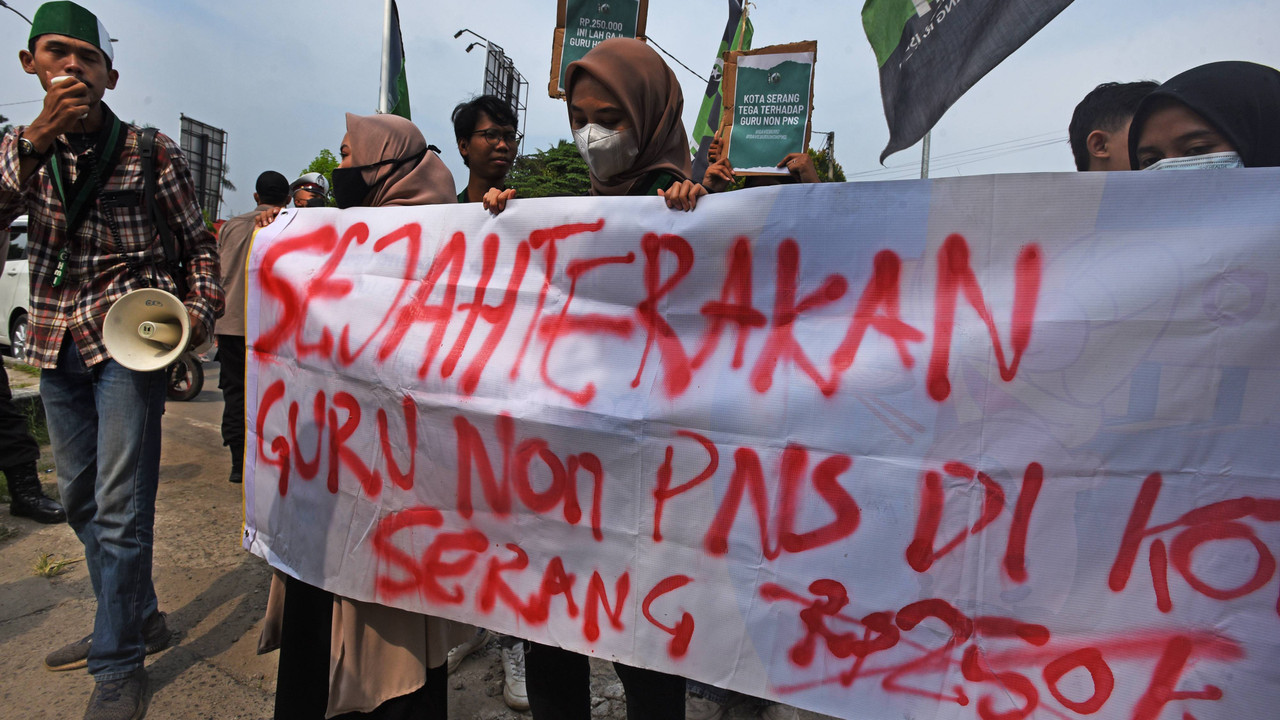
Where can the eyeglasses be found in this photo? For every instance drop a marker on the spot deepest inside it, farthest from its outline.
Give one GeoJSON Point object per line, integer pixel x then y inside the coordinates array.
{"type": "Point", "coordinates": [493, 135]}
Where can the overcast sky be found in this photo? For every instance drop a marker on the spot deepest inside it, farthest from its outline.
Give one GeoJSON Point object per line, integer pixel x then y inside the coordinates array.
{"type": "Point", "coordinates": [278, 76]}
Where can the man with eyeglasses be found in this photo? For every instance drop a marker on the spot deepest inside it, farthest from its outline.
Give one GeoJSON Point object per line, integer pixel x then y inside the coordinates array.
{"type": "Point", "coordinates": [487, 140]}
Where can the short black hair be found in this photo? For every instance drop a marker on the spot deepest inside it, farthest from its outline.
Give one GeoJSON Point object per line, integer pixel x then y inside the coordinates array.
{"type": "Point", "coordinates": [467, 114]}
{"type": "Point", "coordinates": [272, 188]}
{"type": "Point", "coordinates": [1106, 107]}
{"type": "Point", "coordinates": [31, 48]}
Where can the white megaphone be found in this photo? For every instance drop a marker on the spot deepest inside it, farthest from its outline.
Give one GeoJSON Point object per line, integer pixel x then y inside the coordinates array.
{"type": "Point", "coordinates": [146, 329]}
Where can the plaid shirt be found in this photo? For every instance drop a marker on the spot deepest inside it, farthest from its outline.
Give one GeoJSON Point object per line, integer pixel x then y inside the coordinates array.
{"type": "Point", "coordinates": [102, 268]}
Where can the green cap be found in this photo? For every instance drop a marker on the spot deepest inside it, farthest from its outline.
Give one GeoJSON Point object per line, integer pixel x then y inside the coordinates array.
{"type": "Point", "coordinates": [68, 18]}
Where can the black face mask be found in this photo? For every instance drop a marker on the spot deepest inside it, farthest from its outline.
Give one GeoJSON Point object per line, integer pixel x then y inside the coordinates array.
{"type": "Point", "coordinates": [349, 186]}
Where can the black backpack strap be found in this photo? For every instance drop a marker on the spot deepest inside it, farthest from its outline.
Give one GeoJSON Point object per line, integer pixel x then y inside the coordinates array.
{"type": "Point", "coordinates": [147, 151]}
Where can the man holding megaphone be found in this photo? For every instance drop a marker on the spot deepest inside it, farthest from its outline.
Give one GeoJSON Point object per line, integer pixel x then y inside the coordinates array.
{"type": "Point", "coordinates": [112, 211]}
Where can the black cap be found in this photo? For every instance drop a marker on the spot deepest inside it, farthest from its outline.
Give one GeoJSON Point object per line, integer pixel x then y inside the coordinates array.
{"type": "Point", "coordinates": [272, 188]}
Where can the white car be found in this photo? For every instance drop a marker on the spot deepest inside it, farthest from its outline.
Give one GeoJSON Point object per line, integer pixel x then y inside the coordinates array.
{"type": "Point", "coordinates": [15, 291]}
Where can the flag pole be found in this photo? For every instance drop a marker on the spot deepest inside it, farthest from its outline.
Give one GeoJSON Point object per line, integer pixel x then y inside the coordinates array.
{"type": "Point", "coordinates": [924, 157]}
{"type": "Point", "coordinates": [384, 91]}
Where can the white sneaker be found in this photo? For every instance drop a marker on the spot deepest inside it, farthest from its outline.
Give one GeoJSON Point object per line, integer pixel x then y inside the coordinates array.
{"type": "Point", "coordinates": [513, 690]}
{"type": "Point", "coordinates": [778, 711]}
{"type": "Point", "coordinates": [698, 708]}
{"type": "Point", "coordinates": [460, 653]}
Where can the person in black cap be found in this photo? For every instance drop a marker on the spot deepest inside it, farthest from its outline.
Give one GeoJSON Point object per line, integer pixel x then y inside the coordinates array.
{"type": "Point", "coordinates": [272, 191]}
{"type": "Point", "coordinates": [77, 170]}
{"type": "Point", "coordinates": [1220, 115]}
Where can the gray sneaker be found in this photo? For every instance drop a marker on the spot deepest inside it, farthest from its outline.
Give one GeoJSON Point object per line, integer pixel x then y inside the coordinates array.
{"type": "Point", "coordinates": [123, 699]}
{"type": "Point", "coordinates": [155, 633]}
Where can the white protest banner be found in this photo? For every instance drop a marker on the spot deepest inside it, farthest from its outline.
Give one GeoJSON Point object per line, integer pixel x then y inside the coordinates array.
{"type": "Point", "coordinates": [584, 24]}
{"type": "Point", "coordinates": [990, 447]}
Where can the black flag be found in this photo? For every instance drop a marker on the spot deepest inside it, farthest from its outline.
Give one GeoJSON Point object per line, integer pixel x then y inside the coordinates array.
{"type": "Point", "coordinates": [931, 51]}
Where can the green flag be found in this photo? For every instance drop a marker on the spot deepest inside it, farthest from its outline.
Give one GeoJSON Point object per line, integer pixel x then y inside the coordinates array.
{"type": "Point", "coordinates": [737, 36]}
{"type": "Point", "coordinates": [395, 93]}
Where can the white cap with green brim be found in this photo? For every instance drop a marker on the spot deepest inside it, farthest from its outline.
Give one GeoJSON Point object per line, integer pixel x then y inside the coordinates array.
{"type": "Point", "coordinates": [68, 18]}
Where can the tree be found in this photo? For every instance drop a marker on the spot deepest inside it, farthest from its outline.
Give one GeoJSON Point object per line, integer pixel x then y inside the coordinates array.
{"type": "Point", "coordinates": [324, 163]}
{"type": "Point", "coordinates": [558, 171]}
{"type": "Point", "coordinates": [820, 163]}
{"type": "Point", "coordinates": [226, 178]}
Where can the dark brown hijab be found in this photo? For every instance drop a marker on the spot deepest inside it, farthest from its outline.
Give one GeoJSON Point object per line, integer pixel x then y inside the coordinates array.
{"type": "Point", "coordinates": [648, 92]}
{"type": "Point", "coordinates": [374, 138]}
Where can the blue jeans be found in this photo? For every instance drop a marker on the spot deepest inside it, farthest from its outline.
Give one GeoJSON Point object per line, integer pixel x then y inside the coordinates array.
{"type": "Point", "coordinates": [104, 423]}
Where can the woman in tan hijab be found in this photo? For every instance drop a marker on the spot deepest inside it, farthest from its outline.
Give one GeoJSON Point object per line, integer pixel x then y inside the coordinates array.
{"type": "Point", "coordinates": [624, 110]}
{"type": "Point", "coordinates": [341, 657]}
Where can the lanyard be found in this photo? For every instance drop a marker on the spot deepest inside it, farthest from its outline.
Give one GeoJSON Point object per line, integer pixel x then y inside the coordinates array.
{"type": "Point", "coordinates": [84, 189]}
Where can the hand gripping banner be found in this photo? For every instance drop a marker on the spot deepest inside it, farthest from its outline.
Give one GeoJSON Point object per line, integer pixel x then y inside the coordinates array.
{"type": "Point", "coordinates": [989, 447]}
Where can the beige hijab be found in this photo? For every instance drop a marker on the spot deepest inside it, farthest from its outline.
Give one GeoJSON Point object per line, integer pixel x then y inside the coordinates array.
{"type": "Point", "coordinates": [648, 92]}
{"type": "Point", "coordinates": [374, 138]}
{"type": "Point", "coordinates": [377, 652]}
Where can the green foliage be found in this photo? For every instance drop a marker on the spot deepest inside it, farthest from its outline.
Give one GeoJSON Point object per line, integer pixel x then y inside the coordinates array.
{"type": "Point", "coordinates": [36, 422]}
{"type": "Point", "coordinates": [226, 178]}
{"type": "Point", "coordinates": [49, 566]}
{"type": "Point", "coordinates": [558, 171]}
{"type": "Point", "coordinates": [820, 163]}
{"type": "Point", "coordinates": [324, 163]}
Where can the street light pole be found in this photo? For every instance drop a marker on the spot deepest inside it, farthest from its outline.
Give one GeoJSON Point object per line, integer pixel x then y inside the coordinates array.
{"type": "Point", "coordinates": [7, 6]}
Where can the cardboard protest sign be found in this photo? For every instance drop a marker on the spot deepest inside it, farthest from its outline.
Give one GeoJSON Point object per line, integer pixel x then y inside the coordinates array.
{"type": "Point", "coordinates": [583, 24]}
{"type": "Point", "coordinates": [983, 447]}
{"type": "Point", "coordinates": [768, 96]}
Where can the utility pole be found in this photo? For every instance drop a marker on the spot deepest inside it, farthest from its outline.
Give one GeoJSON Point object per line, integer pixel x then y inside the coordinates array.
{"type": "Point", "coordinates": [831, 156]}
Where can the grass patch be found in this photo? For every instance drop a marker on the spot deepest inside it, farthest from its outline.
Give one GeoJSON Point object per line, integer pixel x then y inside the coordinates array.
{"type": "Point", "coordinates": [36, 424]}
{"type": "Point", "coordinates": [7, 532]}
{"type": "Point", "coordinates": [49, 566]}
{"type": "Point", "coordinates": [28, 369]}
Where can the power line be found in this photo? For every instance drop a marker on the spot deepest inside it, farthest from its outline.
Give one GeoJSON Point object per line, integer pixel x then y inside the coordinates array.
{"type": "Point", "coordinates": [970, 155]}
{"type": "Point", "coordinates": [1049, 137]}
{"type": "Point", "coordinates": [24, 102]}
{"type": "Point", "coordinates": [673, 57]}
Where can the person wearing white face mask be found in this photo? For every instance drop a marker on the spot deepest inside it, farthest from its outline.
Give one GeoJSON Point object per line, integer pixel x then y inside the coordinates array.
{"type": "Point", "coordinates": [1220, 115]}
{"type": "Point", "coordinates": [624, 110]}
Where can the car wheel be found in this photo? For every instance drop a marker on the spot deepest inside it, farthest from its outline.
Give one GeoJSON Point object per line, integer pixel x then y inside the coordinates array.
{"type": "Point", "coordinates": [18, 337]}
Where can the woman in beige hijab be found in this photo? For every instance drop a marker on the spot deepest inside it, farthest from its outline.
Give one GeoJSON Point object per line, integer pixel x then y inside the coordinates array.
{"type": "Point", "coordinates": [341, 657]}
